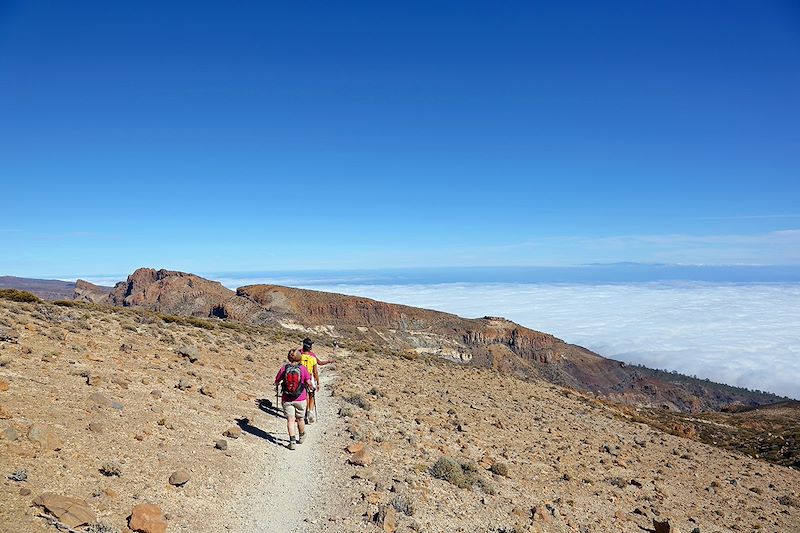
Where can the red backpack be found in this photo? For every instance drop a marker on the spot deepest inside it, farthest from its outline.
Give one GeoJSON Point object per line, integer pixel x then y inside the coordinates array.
{"type": "Point", "coordinates": [292, 382]}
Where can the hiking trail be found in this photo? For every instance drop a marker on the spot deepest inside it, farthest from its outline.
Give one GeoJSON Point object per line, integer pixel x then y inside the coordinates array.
{"type": "Point", "coordinates": [294, 491]}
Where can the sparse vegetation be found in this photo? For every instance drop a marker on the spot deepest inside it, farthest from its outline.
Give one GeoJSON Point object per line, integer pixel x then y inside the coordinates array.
{"type": "Point", "coordinates": [111, 469]}
{"type": "Point", "coordinates": [403, 504]}
{"type": "Point", "coordinates": [359, 401]}
{"type": "Point", "coordinates": [462, 474]}
{"type": "Point", "coordinates": [101, 528]}
{"type": "Point", "coordinates": [19, 296]}
{"type": "Point", "coordinates": [501, 469]}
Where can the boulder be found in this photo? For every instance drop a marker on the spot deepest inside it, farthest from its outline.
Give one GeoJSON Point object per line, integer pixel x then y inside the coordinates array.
{"type": "Point", "coordinates": [44, 436]}
{"type": "Point", "coordinates": [73, 512]}
{"type": "Point", "coordinates": [664, 527]}
{"type": "Point", "coordinates": [8, 335]}
{"type": "Point", "coordinates": [4, 385]}
{"type": "Point", "coordinates": [100, 399]}
{"type": "Point", "coordinates": [386, 519]}
{"type": "Point", "coordinates": [189, 352]}
{"type": "Point", "coordinates": [209, 390]}
{"type": "Point", "coordinates": [233, 432]}
{"type": "Point", "coordinates": [221, 444]}
{"type": "Point", "coordinates": [356, 447]}
{"type": "Point", "coordinates": [9, 434]}
{"type": "Point", "coordinates": [362, 457]}
{"type": "Point", "coordinates": [4, 413]}
{"type": "Point", "coordinates": [179, 477]}
{"type": "Point", "coordinates": [147, 518]}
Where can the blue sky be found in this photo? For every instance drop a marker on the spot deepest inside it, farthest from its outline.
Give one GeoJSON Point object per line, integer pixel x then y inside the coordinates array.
{"type": "Point", "coordinates": [257, 135]}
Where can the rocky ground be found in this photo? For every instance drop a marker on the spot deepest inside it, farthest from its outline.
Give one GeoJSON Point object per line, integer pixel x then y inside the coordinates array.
{"type": "Point", "coordinates": [465, 449]}
{"type": "Point", "coordinates": [108, 405]}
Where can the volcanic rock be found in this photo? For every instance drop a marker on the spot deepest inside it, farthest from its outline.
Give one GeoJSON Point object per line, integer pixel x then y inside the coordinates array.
{"type": "Point", "coordinates": [44, 436]}
{"type": "Point", "coordinates": [8, 334]}
{"type": "Point", "coordinates": [233, 432]}
{"type": "Point", "coordinates": [147, 518]}
{"type": "Point", "coordinates": [362, 457]}
{"type": "Point", "coordinates": [73, 512]}
{"type": "Point", "coordinates": [179, 477]}
{"type": "Point", "coordinates": [89, 292]}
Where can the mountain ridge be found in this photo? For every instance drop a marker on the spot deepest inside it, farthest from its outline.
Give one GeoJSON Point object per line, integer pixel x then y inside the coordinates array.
{"type": "Point", "coordinates": [492, 342]}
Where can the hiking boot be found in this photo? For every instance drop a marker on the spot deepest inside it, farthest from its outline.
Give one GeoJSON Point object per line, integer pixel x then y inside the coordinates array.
{"type": "Point", "coordinates": [301, 438]}
{"type": "Point", "coordinates": [291, 445]}
{"type": "Point", "coordinates": [310, 419]}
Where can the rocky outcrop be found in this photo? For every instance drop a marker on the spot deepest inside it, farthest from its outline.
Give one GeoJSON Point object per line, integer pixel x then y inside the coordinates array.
{"type": "Point", "coordinates": [89, 292]}
{"type": "Point", "coordinates": [179, 293]}
{"type": "Point", "coordinates": [71, 511]}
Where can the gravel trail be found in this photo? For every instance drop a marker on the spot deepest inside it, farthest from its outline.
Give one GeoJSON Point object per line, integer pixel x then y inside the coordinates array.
{"type": "Point", "coordinates": [297, 490]}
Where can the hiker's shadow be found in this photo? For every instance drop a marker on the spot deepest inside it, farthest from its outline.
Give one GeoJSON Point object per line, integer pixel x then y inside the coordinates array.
{"type": "Point", "coordinates": [266, 406]}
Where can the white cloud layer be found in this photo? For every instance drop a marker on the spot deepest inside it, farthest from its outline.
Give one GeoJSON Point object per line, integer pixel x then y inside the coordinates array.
{"type": "Point", "coordinates": [742, 334]}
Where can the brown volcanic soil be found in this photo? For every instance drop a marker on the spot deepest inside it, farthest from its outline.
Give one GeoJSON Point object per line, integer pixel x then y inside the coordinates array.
{"type": "Point", "coordinates": [134, 417]}
{"type": "Point", "coordinates": [771, 432]}
{"type": "Point", "coordinates": [574, 464]}
{"type": "Point", "coordinates": [537, 457]}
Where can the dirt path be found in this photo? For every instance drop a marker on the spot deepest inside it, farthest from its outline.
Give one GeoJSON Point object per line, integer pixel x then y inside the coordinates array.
{"type": "Point", "coordinates": [296, 490]}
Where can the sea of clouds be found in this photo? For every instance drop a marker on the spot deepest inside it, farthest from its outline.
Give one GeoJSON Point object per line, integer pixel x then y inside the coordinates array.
{"type": "Point", "coordinates": [744, 334]}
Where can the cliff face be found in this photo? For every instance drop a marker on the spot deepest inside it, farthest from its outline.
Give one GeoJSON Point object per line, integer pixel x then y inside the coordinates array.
{"type": "Point", "coordinates": [490, 341]}
{"type": "Point", "coordinates": [89, 292]}
{"type": "Point", "coordinates": [179, 293]}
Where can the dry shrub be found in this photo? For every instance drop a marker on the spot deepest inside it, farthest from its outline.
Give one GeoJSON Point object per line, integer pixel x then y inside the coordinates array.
{"type": "Point", "coordinates": [359, 401]}
{"type": "Point", "coordinates": [501, 469]}
{"type": "Point", "coordinates": [462, 474]}
{"type": "Point", "coordinates": [19, 296]}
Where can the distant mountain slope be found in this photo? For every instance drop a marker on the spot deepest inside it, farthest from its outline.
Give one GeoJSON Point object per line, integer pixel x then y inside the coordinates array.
{"type": "Point", "coordinates": [489, 341]}
{"type": "Point", "coordinates": [89, 292]}
{"type": "Point", "coordinates": [46, 289]}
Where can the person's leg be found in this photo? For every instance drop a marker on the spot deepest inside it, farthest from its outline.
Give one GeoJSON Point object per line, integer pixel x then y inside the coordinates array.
{"type": "Point", "coordinates": [300, 408]}
{"type": "Point", "coordinates": [290, 411]}
{"type": "Point", "coordinates": [310, 410]}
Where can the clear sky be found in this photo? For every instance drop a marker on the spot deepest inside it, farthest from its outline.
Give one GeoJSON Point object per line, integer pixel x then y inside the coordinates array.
{"type": "Point", "coordinates": [233, 136]}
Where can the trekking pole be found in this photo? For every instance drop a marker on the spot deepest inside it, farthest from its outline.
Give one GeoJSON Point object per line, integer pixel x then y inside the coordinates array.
{"type": "Point", "coordinates": [277, 418]}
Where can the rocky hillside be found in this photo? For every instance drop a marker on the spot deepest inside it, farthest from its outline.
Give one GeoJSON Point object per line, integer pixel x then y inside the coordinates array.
{"type": "Point", "coordinates": [46, 289]}
{"type": "Point", "coordinates": [103, 409]}
{"type": "Point", "coordinates": [488, 342]}
{"type": "Point", "coordinates": [115, 420]}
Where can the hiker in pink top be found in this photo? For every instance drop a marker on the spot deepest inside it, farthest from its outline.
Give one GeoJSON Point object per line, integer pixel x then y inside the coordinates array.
{"type": "Point", "coordinates": [295, 381]}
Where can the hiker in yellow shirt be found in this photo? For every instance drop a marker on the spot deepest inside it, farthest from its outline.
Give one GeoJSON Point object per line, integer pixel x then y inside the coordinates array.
{"type": "Point", "coordinates": [310, 360]}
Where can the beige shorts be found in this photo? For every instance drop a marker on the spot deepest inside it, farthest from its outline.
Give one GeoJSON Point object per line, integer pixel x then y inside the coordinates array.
{"type": "Point", "coordinates": [296, 409]}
